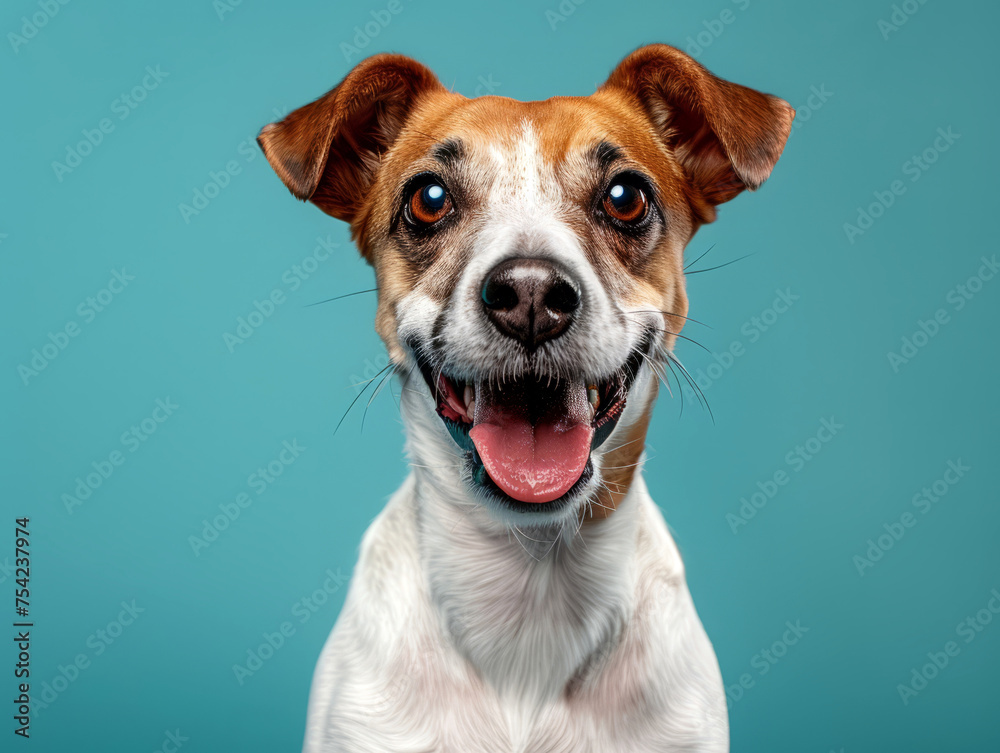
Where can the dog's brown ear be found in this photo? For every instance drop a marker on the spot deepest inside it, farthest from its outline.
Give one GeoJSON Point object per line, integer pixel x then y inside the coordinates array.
{"type": "Point", "coordinates": [327, 152]}
{"type": "Point", "coordinates": [726, 137]}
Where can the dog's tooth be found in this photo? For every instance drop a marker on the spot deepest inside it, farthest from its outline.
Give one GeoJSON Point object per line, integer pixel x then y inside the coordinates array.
{"type": "Point", "coordinates": [593, 397]}
{"type": "Point", "coordinates": [471, 409]}
{"type": "Point", "coordinates": [469, 396]}
{"type": "Point", "coordinates": [593, 412]}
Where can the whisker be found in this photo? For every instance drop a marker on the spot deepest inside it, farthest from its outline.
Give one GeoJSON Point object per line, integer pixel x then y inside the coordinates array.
{"type": "Point", "coordinates": [373, 396]}
{"type": "Point", "coordinates": [367, 381]}
{"type": "Point", "coordinates": [623, 444]}
{"type": "Point", "coordinates": [579, 526]}
{"type": "Point", "coordinates": [358, 397]}
{"type": "Point", "coordinates": [691, 264]}
{"type": "Point", "coordinates": [554, 543]}
{"type": "Point", "coordinates": [345, 295]}
{"type": "Point", "coordinates": [598, 504]}
{"type": "Point", "coordinates": [668, 313]}
{"type": "Point", "coordinates": [657, 368]}
{"type": "Point", "coordinates": [693, 384]}
{"type": "Point", "coordinates": [682, 337]}
{"type": "Point", "coordinates": [458, 522]}
{"type": "Point", "coordinates": [537, 541]}
{"type": "Point", "coordinates": [719, 266]}
{"type": "Point", "coordinates": [517, 530]}
{"type": "Point", "coordinates": [680, 388]}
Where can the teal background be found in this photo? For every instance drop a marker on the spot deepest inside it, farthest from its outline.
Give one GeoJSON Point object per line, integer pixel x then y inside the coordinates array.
{"type": "Point", "coordinates": [162, 337]}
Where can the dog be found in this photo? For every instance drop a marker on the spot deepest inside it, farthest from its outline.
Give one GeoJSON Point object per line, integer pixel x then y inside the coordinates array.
{"type": "Point", "coordinates": [521, 591]}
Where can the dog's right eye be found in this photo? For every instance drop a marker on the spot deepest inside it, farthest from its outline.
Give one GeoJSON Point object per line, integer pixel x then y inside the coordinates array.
{"type": "Point", "coordinates": [625, 201]}
{"type": "Point", "coordinates": [428, 204]}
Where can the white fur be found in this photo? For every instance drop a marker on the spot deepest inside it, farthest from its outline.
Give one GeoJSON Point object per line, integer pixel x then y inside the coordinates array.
{"type": "Point", "coordinates": [469, 628]}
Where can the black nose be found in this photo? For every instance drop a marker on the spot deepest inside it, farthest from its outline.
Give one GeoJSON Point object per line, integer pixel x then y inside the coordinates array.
{"type": "Point", "coordinates": [531, 300]}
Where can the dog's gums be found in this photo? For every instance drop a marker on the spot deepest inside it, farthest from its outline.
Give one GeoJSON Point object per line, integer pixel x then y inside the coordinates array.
{"type": "Point", "coordinates": [528, 439]}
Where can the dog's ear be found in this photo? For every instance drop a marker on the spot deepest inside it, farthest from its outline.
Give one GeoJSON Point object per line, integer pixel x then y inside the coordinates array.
{"type": "Point", "coordinates": [328, 151]}
{"type": "Point", "coordinates": [725, 136]}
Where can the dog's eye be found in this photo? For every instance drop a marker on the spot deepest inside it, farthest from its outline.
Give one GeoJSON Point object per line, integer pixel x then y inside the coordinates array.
{"type": "Point", "coordinates": [428, 204]}
{"type": "Point", "coordinates": [625, 202]}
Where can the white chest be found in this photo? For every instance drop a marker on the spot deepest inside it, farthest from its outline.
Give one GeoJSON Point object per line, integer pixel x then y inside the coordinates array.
{"type": "Point", "coordinates": [455, 641]}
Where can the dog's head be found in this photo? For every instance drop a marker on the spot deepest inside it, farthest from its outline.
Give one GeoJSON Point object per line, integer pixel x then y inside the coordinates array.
{"type": "Point", "coordinates": [529, 255]}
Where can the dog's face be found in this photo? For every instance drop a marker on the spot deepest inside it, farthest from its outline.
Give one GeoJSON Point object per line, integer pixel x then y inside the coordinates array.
{"type": "Point", "coordinates": [529, 255]}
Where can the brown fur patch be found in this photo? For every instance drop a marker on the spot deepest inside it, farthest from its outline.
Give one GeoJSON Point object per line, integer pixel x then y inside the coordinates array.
{"type": "Point", "coordinates": [620, 465]}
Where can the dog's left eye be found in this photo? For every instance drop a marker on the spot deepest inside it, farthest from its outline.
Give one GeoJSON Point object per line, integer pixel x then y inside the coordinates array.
{"type": "Point", "coordinates": [428, 204]}
{"type": "Point", "coordinates": [625, 201]}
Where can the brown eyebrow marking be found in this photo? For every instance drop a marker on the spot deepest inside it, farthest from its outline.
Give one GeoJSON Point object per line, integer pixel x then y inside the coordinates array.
{"type": "Point", "coordinates": [607, 154]}
{"type": "Point", "coordinates": [448, 152]}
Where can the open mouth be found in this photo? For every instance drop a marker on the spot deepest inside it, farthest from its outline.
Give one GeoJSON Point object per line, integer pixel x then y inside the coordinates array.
{"type": "Point", "coordinates": [529, 439]}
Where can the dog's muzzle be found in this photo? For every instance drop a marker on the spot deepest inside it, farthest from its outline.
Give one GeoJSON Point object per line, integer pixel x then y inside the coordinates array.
{"type": "Point", "coordinates": [528, 437]}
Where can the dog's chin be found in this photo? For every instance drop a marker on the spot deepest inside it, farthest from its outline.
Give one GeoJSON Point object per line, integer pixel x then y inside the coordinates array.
{"type": "Point", "coordinates": [529, 440]}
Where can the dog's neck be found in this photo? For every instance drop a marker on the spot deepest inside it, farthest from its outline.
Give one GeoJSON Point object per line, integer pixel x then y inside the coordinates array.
{"type": "Point", "coordinates": [530, 608]}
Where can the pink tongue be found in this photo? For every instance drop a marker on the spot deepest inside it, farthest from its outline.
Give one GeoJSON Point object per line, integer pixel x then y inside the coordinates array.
{"type": "Point", "coordinates": [533, 463]}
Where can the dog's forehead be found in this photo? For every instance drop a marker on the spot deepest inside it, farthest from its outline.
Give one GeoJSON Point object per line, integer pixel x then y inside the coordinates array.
{"type": "Point", "coordinates": [522, 139]}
